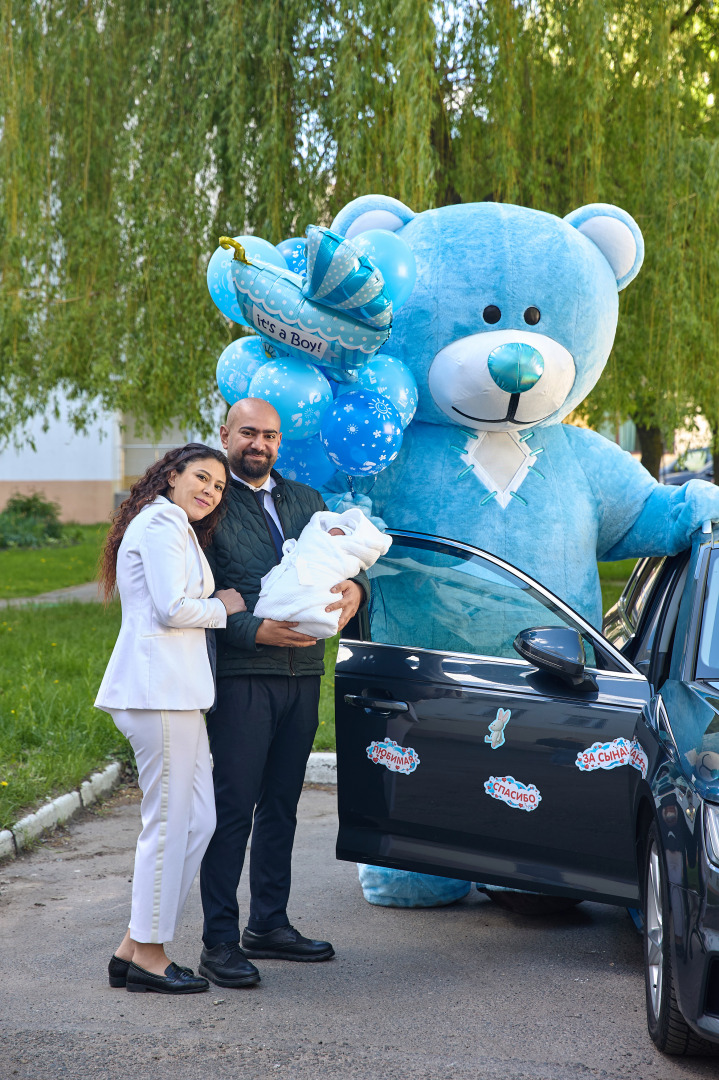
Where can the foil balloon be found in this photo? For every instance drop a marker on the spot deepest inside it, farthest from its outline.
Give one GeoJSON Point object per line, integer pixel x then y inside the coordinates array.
{"type": "Point", "coordinates": [361, 433]}
{"type": "Point", "coordinates": [338, 315]}
{"type": "Point", "coordinates": [393, 258]}
{"type": "Point", "coordinates": [219, 273]}
{"type": "Point", "coordinates": [298, 390]}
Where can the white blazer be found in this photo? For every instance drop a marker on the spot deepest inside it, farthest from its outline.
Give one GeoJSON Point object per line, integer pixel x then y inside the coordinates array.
{"type": "Point", "coordinates": [160, 658]}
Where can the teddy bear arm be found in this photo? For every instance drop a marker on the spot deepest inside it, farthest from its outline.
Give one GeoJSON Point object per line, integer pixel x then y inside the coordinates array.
{"type": "Point", "coordinates": [668, 520]}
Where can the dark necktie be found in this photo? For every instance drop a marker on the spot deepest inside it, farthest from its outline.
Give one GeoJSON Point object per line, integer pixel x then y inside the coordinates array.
{"type": "Point", "coordinates": [274, 531]}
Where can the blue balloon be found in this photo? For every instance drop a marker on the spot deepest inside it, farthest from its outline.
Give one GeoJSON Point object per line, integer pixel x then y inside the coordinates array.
{"type": "Point", "coordinates": [236, 366]}
{"type": "Point", "coordinates": [298, 390]}
{"type": "Point", "coordinates": [394, 260]}
{"type": "Point", "coordinates": [219, 276]}
{"type": "Point", "coordinates": [392, 379]}
{"type": "Point", "coordinates": [306, 461]}
{"type": "Point", "coordinates": [361, 433]}
{"type": "Point", "coordinates": [294, 252]}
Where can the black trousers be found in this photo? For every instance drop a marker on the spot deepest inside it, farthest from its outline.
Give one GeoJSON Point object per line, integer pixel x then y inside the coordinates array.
{"type": "Point", "coordinates": [261, 735]}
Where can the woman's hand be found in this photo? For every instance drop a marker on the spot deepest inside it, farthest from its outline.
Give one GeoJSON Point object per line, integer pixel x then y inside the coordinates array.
{"type": "Point", "coordinates": [232, 600]}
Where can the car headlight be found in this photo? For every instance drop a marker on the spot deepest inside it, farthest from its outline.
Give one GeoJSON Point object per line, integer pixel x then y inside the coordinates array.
{"type": "Point", "coordinates": [711, 832]}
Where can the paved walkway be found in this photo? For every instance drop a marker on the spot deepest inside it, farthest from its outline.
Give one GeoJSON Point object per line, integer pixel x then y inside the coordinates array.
{"type": "Point", "coordinates": [468, 992]}
{"type": "Point", "coordinates": [86, 594]}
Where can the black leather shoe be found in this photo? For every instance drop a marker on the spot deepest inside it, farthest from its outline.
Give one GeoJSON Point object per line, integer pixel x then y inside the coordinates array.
{"type": "Point", "coordinates": [285, 943]}
{"type": "Point", "coordinates": [176, 980]}
{"type": "Point", "coordinates": [227, 965]}
{"type": "Point", "coordinates": [117, 970]}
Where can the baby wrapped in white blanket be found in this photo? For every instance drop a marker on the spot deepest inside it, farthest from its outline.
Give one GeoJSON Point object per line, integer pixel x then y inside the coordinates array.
{"type": "Point", "coordinates": [331, 548]}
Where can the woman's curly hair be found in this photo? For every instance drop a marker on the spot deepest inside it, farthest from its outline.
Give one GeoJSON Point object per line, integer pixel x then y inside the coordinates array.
{"type": "Point", "coordinates": [144, 491]}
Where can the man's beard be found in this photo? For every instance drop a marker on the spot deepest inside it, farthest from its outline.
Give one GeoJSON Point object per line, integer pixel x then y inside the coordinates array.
{"type": "Point", "coordinates": [251, 465]}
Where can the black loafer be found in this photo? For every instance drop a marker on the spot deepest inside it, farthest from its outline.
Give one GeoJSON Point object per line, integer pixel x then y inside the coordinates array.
{"type": "Point", "coordinates": [176, 980]}
{"type": "Point", "coordinates": [226, 965]}
{"type": "Point", "coordinates": [285, 943]}
{"type": "Point", "coordinates": [117, 970]}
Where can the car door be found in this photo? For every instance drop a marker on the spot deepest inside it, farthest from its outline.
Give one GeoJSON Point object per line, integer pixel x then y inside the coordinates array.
{"type": "Point", "coordinates": [456, 757]}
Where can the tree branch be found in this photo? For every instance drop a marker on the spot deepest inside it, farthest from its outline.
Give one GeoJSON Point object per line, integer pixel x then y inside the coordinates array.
{"type": "Point", "coordinates": [693, 7]}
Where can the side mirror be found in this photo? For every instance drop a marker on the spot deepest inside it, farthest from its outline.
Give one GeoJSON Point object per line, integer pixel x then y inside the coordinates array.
{"type": "Point", "coordinates": [559, 651]}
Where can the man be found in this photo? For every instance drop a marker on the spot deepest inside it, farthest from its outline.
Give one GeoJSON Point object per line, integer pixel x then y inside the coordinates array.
{"type": "Point", "coordinates": [262, 729]}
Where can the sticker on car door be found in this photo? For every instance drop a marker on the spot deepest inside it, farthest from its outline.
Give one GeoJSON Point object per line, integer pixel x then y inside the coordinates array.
{"type": "Point", "coordinates": [513, 792]}
{"type": "Point", "coordinates": [496, 728]}
{"type": "Point", "coordinates": [396, 758]}
{"type": "Point", "coordinates": [611, 755]}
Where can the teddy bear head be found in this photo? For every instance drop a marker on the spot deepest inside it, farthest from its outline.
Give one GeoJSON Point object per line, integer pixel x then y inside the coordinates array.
{"type": "Point", "coordinates": [513, 314]}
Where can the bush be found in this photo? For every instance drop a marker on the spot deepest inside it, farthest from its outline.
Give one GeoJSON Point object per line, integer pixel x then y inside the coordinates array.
{"type": "Point", "coordinates": [31, 521]}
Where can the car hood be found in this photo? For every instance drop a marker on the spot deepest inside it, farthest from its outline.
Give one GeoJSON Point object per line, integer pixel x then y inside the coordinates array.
{"type": "Point", "coordinates": [693, 713]}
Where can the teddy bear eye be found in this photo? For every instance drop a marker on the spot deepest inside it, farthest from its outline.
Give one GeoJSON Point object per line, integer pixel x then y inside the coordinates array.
{"type": "Point", "coordinates": [532, 316]}
{"type": "Point", "coordinates": [491, 314]}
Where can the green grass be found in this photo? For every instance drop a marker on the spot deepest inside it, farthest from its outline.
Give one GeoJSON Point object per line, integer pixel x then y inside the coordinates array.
{"type": "Point", "coordinates": [325, 737]}
{"type": "Point", "coordinates": [30, 571]}
{"type": "Point", "coordinates": [51, 736]}
{"type": "Point", "coordinates": [613, 576]}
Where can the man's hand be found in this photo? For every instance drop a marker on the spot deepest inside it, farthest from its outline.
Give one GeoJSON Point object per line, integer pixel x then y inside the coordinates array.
{"type": "Point", "coordinates": [281, 633]}
{"type": "Point", "coordinates": [352, 597]}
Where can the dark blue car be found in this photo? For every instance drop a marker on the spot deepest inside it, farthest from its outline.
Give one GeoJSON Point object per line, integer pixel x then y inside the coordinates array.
{"type": "Point", "coordinates": [485, 731]}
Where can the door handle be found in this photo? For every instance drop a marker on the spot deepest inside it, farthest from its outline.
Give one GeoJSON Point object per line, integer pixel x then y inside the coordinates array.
{"type": "Point", "coordinates": [380, 704]}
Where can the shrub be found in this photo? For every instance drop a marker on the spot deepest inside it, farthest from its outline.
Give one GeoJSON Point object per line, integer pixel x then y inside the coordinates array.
{"type": "Point", "coordinates": [32, 521]}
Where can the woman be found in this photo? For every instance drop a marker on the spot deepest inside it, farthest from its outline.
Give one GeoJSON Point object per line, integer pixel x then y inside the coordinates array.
{"type": "Point", "coordinates": [156, 687]}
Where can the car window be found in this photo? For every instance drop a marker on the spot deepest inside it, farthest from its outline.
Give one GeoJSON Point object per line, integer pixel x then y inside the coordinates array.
{"type": "Point", "coordinates": [666, 596]}
{"type": "Point", "coordinates": [642, 585]}
{"type": "Point", "coordinates": [430, 595]}
{"type": "Point", "coordinates": [692, 461]}
{"type": "Point", "coordinates": [708, 652]}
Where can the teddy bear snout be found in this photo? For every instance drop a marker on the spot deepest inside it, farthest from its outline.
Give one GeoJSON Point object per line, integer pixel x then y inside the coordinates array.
{"type": "Point", "coordinates": [515, 366]}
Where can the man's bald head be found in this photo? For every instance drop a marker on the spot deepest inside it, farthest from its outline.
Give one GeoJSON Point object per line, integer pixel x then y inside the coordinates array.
{"type": "Point", "coordinates": [251, 436]}
{"type": "Point", "coordinates": [253, 412]}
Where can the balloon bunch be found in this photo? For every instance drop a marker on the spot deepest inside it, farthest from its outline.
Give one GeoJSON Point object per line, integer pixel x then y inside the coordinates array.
{"type": "Point", "coordinates": [322, 309]}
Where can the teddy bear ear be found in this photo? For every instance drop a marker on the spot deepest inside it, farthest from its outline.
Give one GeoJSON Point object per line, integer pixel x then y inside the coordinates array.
{"type": "Point", "coordinates": [616, 234]}
{"type": "Point", "coordinates": [371, 212]}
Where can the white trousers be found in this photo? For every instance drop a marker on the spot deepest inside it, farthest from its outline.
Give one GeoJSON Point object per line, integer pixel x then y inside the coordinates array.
{"type": "Point", "coordinates": [178, 814]}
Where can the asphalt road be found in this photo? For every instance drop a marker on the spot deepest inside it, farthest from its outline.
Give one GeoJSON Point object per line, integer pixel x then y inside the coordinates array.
{"type": "Point", "coordinates": [467, 992]}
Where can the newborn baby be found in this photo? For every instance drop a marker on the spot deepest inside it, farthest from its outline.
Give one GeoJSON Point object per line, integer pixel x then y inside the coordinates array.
{"type": "Point", "coordinates": [330, 548]}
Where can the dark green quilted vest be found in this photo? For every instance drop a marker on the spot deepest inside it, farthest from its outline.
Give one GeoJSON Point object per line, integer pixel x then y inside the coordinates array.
{"type": "Point", "coordinates": [240, 554]}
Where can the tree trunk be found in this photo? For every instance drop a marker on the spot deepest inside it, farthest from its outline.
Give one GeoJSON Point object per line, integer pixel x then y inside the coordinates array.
{"type": "Point", "coordinates": [650, 445]}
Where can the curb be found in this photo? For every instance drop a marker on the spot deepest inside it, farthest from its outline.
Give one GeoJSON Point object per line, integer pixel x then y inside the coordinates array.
{"type": "Point", "coordinates": [58, 811]}
{"type": "Point", "coordinates": [321, 769]}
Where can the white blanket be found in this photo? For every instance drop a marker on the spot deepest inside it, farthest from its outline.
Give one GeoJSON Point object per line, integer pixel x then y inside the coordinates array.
{"type": "Point", "coordinates": [298, 588]}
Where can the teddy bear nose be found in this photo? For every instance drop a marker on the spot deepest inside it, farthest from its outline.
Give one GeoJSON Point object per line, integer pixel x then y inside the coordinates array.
{"type": "Point", "coordinates": [515, 366]}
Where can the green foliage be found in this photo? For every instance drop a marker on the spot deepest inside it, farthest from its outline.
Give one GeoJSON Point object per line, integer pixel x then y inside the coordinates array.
{"type": "Point", "coordinates": [30, 521]}
{"type": "Point", "coordinates": [133, 134]}
{"type": "Point", "coordinates": [29, 572]}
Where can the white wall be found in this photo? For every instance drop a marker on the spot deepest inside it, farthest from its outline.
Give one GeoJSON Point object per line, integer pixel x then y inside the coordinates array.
{"type": "Point", "coordinates": [61, 454]}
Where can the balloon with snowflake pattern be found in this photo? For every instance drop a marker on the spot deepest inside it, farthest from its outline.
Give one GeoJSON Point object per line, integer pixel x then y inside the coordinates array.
{"type": "Point", "coordinates": [361, 433]}
{"type": "Point", "coordinates": [306, 461]}
{"type": "Point", "coordinates": [386, 375]}
{"type": "Point", "coordinates": [298, 390]}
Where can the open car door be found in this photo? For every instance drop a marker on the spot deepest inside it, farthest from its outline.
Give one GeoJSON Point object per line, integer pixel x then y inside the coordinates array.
{"type": "Point", "coordinates": [458, 758]}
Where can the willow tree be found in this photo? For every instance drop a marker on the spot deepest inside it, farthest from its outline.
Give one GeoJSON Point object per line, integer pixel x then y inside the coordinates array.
{"type": "Point", "coordinates": [134, 132]}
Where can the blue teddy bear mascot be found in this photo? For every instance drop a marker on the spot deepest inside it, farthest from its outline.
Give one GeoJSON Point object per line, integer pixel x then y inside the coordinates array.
{"type": "Point", "coordinates": [508, 328]}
